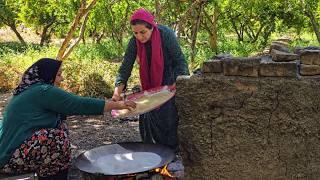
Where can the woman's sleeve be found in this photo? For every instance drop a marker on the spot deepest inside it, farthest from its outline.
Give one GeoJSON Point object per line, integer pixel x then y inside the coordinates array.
{"type": "Point", "coordinates": [125, 69]}
{"type": "Point", "coordinates": [180, 66]}
{"type": "Point", "coordinates": [59, 101]}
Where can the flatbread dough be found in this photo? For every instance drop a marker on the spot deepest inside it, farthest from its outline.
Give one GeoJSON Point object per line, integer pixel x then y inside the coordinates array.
{"type": "Point", "coordinates": [146, 103]}
{"type": "Point", "coordinates": [127, 162]}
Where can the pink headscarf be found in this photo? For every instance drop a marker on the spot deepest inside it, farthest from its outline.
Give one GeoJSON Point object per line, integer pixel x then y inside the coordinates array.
{"type": "Point", "coordinates": [157, 64]}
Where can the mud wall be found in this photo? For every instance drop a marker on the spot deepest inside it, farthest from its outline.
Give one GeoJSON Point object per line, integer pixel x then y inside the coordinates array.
{"type": "Point", "coordinates": [252, 118]}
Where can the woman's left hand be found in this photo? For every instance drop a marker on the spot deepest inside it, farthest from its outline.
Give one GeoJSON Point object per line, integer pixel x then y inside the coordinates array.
{"type": "Point", "coordinates": [129, 105]}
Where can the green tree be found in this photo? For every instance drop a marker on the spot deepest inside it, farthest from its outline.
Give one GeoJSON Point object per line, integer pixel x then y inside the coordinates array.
{"type": "Point", "coordinates": [9, 11]}
{"type": "Point", "coordinates": [311, 9]}
{"type": "Point", "coordinates": [46, 15]}
{"type": "Point", "coordinates": [252, 19]}
{"type": "Point", "coordinates": [291, 17]}
{"type": "Point", "coordinates": [109, 20]}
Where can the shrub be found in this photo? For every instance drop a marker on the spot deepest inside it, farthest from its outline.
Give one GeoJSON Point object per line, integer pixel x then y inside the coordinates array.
{"type": "Point", "coordinates": [83, 75]}
{"type": "Point", "coordinates": [95, 86]}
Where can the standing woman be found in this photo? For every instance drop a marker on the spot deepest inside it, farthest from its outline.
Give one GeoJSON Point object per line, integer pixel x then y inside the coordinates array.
{"type": "Point", "coordinates": [160, 61]}
{"type": "Point", "coordinates": [32, 136]}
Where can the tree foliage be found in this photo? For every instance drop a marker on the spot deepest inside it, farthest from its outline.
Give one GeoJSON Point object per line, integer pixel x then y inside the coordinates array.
{"type": "Point", "coordinates": [9, 11]}
{"type": "Point", "coordinates": [200, 24]}
{"type": "Point", "coordinates": [46, 16]}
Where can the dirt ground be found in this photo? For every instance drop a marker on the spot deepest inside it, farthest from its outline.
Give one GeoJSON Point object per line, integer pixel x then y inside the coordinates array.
{"type": "Point", "coordinates": [89, 132]}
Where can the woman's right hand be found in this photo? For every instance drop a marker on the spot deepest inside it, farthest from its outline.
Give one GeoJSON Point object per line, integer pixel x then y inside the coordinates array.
{"type": "Point", "coordinates": [116, 94]}
{"type": "Point", "coordinates": [118, 105]}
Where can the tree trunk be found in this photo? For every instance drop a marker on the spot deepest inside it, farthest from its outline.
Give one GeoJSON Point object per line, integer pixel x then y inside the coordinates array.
{"type": "Point", "coordinates": [308, 12]}
{"type": "Point", "coordinates": [183, 21]}
{"type": "Point", "coordinates": [214, 34]}
{"type": "Point", "coordinates": [157, 14]}
{"type": "Point", "coordinates": [44, 35]}
{"type": "Point", "coordinates": [194, 34]}
{"type": "Point", "coordinates": [315, 25]}
{"type": "Point", "coordinates": [83, 10]}
{"type": "Point", "coordinates": [14, 29]}
{"type": "Point", "coordinates": [82, 29]}
{"type": "Point", "coordinates": [238, 31]}
{"type": "Point", "coordinates": [211, 26]}
{"type": "Point", "coordinates": [266, 34]}
{"type": "Point", "coordinates": [99, 38]}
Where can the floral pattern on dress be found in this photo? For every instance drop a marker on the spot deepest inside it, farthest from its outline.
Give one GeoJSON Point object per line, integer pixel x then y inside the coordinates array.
{"type": "Point", "coordinates": [46, 152]}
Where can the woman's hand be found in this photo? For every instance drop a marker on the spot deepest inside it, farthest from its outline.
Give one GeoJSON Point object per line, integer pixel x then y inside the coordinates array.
{"type": "Point", "coordinates": [117, 105]}
{"type": "Point", "coordinates": [127, 105]}
{"type": "Point", "coordinates": [116, 94]}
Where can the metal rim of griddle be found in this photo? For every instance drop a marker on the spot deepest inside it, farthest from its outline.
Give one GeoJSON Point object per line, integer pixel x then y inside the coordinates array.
{"type": "Point", "coordinates": [84, 164]}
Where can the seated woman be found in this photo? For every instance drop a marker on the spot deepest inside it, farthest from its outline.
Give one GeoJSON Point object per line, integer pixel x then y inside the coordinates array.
{"type": "Point", "coordinates": [32, 136]}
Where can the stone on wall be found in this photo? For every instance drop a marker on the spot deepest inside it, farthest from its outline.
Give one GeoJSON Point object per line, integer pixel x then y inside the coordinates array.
{"type": "Point", "coordinates": [280, 56]}
{"type": "Point", "coordinates": [298, 50]}
{"type": "Point", "coordinates": [241, 66]}
{"type": "Point", "coordinates": [280, 46]}
{"type": "Point", "coordinates": [212, 66]}
{"type": "Point", "coordinates": [309, 70]}
{"type": "Point", "coordinates": [279, 69]}
{"type": "Point", "coordinates": [222, 56]}
{"type": "Point", "coordinates": [310, 57]}
{"type": "Point", "coordinates": [285, 39]}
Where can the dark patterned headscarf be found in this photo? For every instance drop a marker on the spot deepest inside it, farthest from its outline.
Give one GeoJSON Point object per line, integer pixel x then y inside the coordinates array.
{"type": "Point", "coordinates": [44, 70]}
